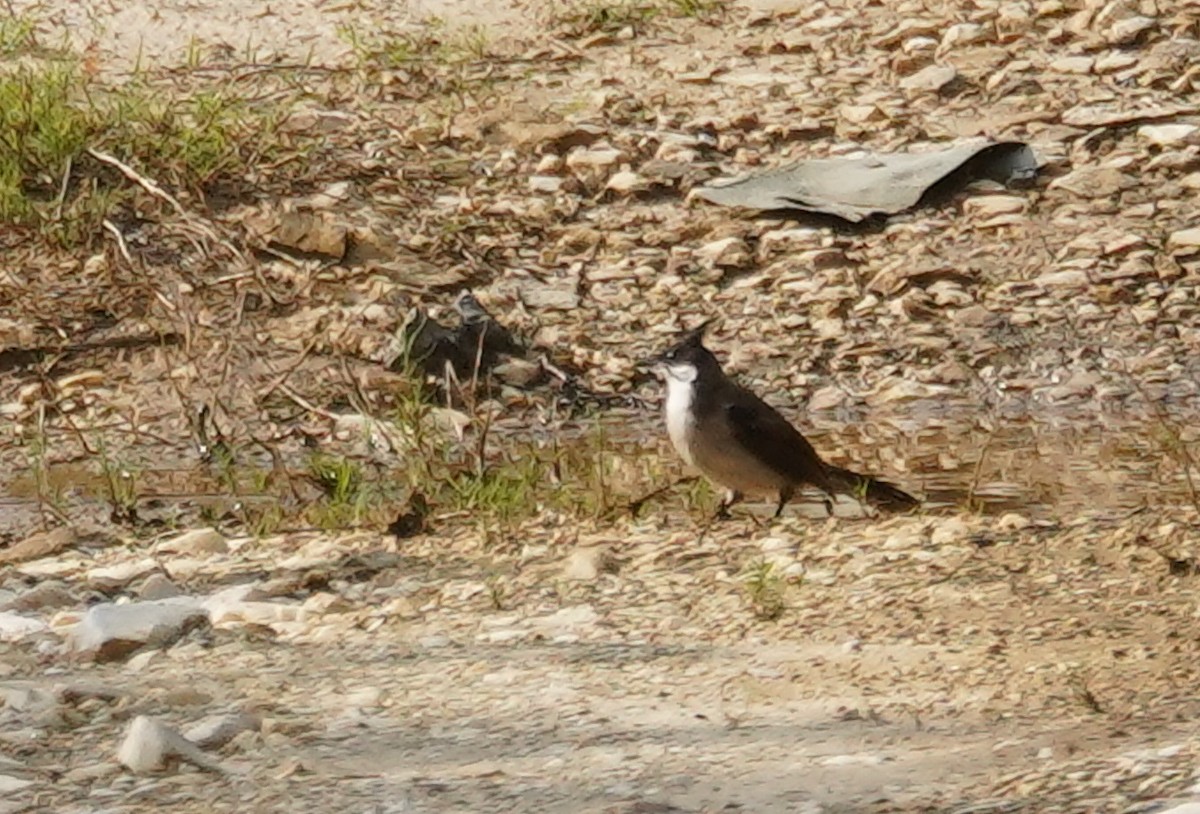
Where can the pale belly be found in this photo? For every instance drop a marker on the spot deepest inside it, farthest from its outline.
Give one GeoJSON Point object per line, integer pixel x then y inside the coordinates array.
{"type": "Point", "coordinates": [729, 466]}
{"type": "Point", "coordinates": [678, 410]}
{"type": "Point", "coordinates": [717, 457]}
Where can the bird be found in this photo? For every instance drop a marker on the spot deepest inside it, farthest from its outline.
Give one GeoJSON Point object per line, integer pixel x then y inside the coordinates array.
{"type": "Point", "coordinates": [471, 349]}
{"type": "Point", "coordinates": [744, 445]}
{"type": "Point", "coordinates": [480, 335]}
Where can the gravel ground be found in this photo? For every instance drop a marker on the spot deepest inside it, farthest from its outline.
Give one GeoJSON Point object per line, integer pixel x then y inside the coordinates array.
{"type": "Point", "coordinates": [1028, 353]}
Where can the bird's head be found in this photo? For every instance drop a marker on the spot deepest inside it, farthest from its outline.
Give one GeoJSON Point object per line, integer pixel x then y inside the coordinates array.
{"type": "Point", "coordinates": [686, 359]}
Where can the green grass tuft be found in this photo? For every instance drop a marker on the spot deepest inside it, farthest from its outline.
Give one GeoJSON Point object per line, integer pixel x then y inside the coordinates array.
{"type": "Point", "coordinates": [16, 35]}
{"type": "Point", "coordinates": [766, 590]}
{"type": "Point", "coordinates": [53, 111]}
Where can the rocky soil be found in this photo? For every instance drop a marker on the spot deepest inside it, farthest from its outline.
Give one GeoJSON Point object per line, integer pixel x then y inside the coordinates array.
{"type": "Point", "coordinates": [1024, 357]}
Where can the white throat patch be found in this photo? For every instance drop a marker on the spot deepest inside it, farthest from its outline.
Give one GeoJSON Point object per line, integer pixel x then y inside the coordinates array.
{"type": "Point", "coordinates": [680, 391]}
{"type": "Point", "coordinates": [681, 371]}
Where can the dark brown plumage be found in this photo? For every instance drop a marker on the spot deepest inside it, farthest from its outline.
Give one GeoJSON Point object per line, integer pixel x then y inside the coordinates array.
{"type": "Point", "coordinates": [745, 445]}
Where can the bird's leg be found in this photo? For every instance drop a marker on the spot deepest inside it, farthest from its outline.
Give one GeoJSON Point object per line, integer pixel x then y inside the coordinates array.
{"type": "Point", "coordinates": [785, 494]}
{"type": "Point", "coordinates": [828, 501]}
{"type": "Point", "coordinates": [732, 496]}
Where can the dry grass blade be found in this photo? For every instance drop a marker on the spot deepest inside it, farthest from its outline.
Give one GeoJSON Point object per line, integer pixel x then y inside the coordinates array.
{"type": "Point", "coordinates": [145, 183]}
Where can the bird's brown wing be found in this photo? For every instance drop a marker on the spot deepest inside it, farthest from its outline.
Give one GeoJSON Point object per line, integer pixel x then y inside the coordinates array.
{"type": "Point", "coordinates": [760, 429]}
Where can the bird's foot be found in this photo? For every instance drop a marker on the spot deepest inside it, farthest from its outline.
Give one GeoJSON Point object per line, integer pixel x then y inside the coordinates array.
{"type": "Point", "coordinates": [731, 497]}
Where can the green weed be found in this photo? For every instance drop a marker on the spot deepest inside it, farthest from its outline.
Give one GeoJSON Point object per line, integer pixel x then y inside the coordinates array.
{"type": "Point", "coordinates": [766, 590]}
{"type": "Point", "coordinates": [699, 9]}
{"type": "Point", "coordinates": [581, 19]}
{"type": "Point", "coordinates": [48, 490]}
{"type": "Point", "coordinates": [16, 35]}
{"type": "Point", "coordinates": [341, 478]}
{"type": "Point", "coordinates": [122, 490]}
{"type": "Point", "coordinates": [433, 43]}
{"type": "Point", "coordinates": [506, 493]}
{"type": "Point", "coordinates": [53, 113]}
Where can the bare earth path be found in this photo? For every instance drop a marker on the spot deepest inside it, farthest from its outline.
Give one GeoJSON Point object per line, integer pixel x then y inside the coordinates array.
{"type": "Point", "coordinates": [915, 673]}
{"type": "Point", "coordinates": [1040, 660]}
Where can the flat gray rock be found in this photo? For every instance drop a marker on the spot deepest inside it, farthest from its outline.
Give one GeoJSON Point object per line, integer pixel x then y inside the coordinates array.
{"type": "Point", "coordinates": [149, 745]}
{"type": "Point", "coordinates": [217, 730]}
{"type": "Point", "coordinates": [856, 188]}
{"type": "Point", "coordinates": [108, 632]}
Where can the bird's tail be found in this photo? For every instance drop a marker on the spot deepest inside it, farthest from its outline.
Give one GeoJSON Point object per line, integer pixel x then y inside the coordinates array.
{"type": "Point", "coordinates": [877, 493]}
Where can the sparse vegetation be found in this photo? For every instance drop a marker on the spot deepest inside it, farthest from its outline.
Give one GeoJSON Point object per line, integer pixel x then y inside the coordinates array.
{"type": "Point", "coordinates": [16, 35]}
{"type": "Point", "coordinates": [1169, 438]}
{"type": "Point", "coordinates": [430, 62]}
{"type": "Point", "coordinates": [48, 490]}
{"type": "Point", "coordinates": [766, 590]}
{"type": "Point", "coordinates": [341, 478]}
{"type": "Point", "coordinates": [579, 19]}
{"type": "Point", "coordinates": [53, 112]}
{"type": "Point", "coordinates": [493, 580]}
{"type": "Point", "coordinates": [121, 482]}
{"type": "Point", "coordinates": [498, 590]}
{"type": "Point", "coordinates": [695, 8]}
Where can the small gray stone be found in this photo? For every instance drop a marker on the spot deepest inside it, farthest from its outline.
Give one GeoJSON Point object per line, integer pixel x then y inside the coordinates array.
{"type": "Point", "coordinates": [25, 697]}
{"type": "Point", "coordinates": [109, 632]}
{"type": "Point", "coordinates": [1126, 31]}
{"type": "Point", "coordinates": [559, 294]}
{"type": "Point", "coordinates": [1069, 278]}
{"type": "Point", "coordinates": [775, 545]}
{"type": "Point", "coordinates": [827, 398]}
{"type": "Point", "coordinates": [217, 730]}
{"type": "Point", "coordinates": [196, 541]}
{"type": "Point", "coordinates": [545, 183]}
{"type": "Point", "coordinates": [1093, 182]}
{"type": "Point", "coordinates": [585, 564]}
{"type": "Point", "coordinates": [728, 252]}
{"type": "Point", "coordinates": [14, 626]}
{"type": "Point", "coordinates": [627, 182]}
{"type": "Point", "coordinates": [1077, 65]}
{"type": "Point", "coordinates": [89, 773]}
{"type": "Point", "coordinates": [574, 619]}
{"type": "Point", "coordinates": [518, 372]}
{"type": "Point", "coordinates": [989, 206]}
{"type": "Point", "coordinates": [949, 530]}
{"type": "Point", "coordinates": [150, 744]}
{"type": "Point", "coordinates": [860, 759]}
{"type": "Point", "coordinates": [932, 78]}
{"type": "Point", "coordinates": [1012, 521]}
{"type": "Point", "coordinates": [1169, 135]}
{"type": "Point", "coordinates": [46, 595]}
{"type": "Point", "coordinates": [12, 784]}
{"type": "Point", "coordinates": [118, 576]}
{"type": "Point", "coordinates": [158, 586]}
{"type": "Point", "coordinates": [1185, 241]}
{"type": "Point", "coordinates": [596, 158]}
{"type": "Point", "coordinates": [365, 698]}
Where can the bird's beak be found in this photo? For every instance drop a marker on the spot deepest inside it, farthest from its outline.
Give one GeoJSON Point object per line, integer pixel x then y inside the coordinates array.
{"type": "Point", "coordinates": [656, 364]}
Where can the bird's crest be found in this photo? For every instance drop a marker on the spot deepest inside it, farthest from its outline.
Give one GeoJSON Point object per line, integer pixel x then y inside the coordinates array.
{"type": "Point", "coordinates": [695, 337]}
